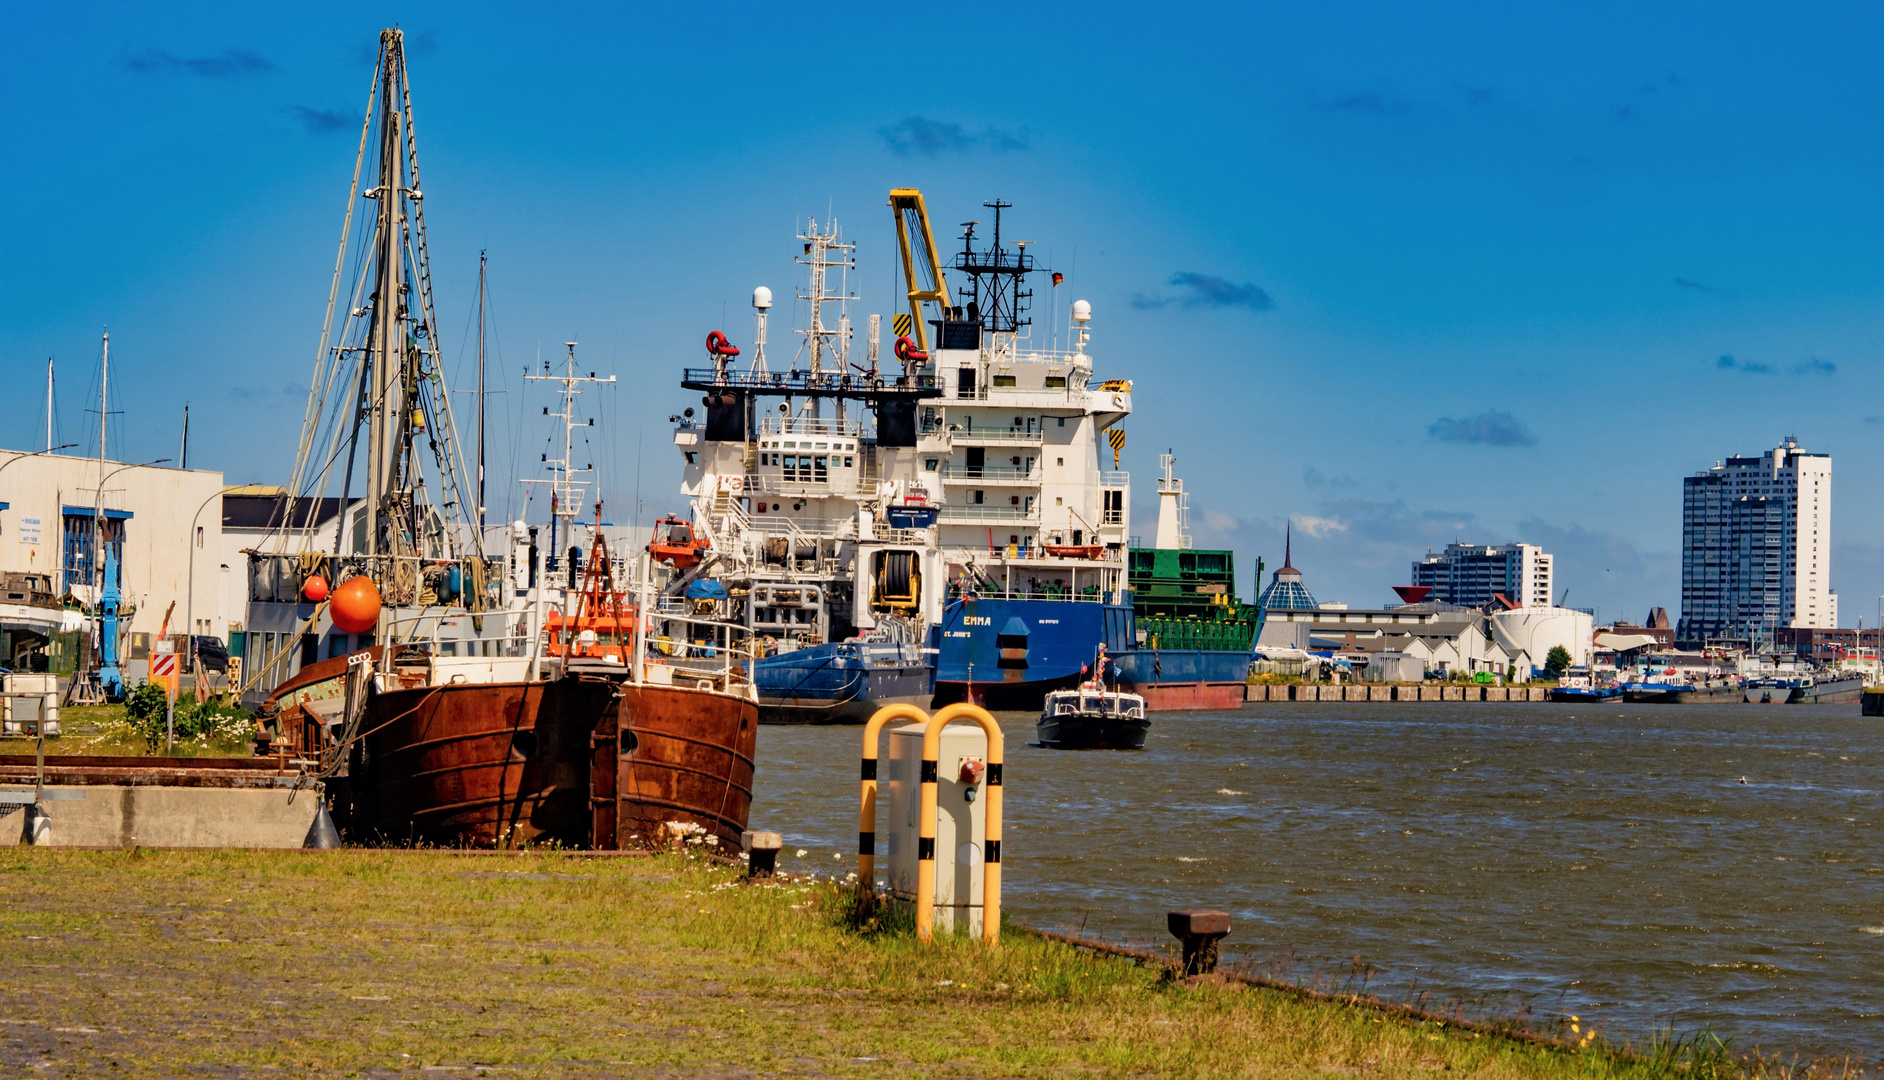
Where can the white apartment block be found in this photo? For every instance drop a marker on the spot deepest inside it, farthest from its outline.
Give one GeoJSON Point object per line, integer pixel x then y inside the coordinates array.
{"type": "Point", "coordinates": [1756, 545]}
{"type": "Point", "coordinates": [1472, 575]}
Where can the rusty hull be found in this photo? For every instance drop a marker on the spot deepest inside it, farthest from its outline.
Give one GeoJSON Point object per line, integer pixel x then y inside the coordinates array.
{"type": "Point", "coordinates": [672, 754]}
{"type": "Point", "coordinates": [482, 765]}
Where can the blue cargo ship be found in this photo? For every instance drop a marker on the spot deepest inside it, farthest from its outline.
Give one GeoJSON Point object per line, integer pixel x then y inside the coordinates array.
{"type": "Point", "coordinates": [1010, 652]}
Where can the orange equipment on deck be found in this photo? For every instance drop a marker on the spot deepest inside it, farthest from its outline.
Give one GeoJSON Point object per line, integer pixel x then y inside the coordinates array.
{"type": "Point", "coordinates": [603, 627]}
{"type": "Point", "coordinates": [676, 544]}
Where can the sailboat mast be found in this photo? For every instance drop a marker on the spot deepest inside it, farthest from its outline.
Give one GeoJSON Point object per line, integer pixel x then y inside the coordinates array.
{"type": "Point", "coordinates": [388, 297]}
{"type": "Point", "coordinates": [104, 382]}
{"type": "Point", "coordinates": [48, 404]}
{"type": "Point", "coordinates": [480, 399]}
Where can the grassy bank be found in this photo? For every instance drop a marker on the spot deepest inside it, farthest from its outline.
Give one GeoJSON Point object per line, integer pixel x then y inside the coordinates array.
{"type": "Point", "coordinates": [110, 730]}
{"type": "Point", "coordinates": [361, 962]}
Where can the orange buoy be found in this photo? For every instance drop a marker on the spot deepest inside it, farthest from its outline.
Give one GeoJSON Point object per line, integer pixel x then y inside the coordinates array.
{"type": "Point", "coordinates": [355, 607]}
{"type": "Point", "coordinates": [315, 590]}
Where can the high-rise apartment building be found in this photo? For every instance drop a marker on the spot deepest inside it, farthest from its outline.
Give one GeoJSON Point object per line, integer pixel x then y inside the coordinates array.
{"type": "Point", "coordinates": [1471, 575]}
{"type": "Point", "coordinates": [1756, 547]}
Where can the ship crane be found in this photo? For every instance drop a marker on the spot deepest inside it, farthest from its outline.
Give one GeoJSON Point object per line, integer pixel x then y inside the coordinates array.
{"type": "Point", "coordinates": [916, 243]}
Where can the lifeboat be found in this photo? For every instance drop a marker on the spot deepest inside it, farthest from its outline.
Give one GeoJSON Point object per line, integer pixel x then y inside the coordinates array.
{"type": "Point", "coordinates": [1075, 551]}
{"type": "Point", "coordinates": [675, 544]}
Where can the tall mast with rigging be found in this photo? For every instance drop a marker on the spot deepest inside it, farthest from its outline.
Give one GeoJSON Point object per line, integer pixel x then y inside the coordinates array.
{"type": "Point", "coordinates": [379, 373]}
{"type": "Point", "coordinates": [480, 395]}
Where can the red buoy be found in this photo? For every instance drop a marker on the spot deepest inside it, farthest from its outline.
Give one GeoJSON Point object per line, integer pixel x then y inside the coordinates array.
{"type": "Point", "coordinates": [315, 590]}
{"type": "Point", "coordinates": [355, 606]}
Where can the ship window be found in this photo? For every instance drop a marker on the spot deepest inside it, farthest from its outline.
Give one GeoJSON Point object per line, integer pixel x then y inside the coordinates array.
{"type": "Point", "coordinates": [847, 463]}
{"type": "Point", "coordinates": [693, 458]}
{"type": "Point", "coordinates": [929, 465]}
{"type": "Point", "coordinates": [824, 446]}
{"type": "Point", "coordinates": [1003, 380]}
{"type": "Point", "coordinates": [1056, 382]}
{"type": "Point", "coordinates": [1062, 421]}
{"type": "Point", "coordinates": [1059, 461]}
{"type": "Point", "coordinates": [820, 473]}
{"type": "Point", "coordinates": [980, 497]}
{"type": "Point", "coordinates": [1058, 501]}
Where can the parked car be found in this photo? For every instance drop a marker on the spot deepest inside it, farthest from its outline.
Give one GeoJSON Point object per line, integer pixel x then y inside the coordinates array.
{"type": "Point", "coordinates": [212, 653]}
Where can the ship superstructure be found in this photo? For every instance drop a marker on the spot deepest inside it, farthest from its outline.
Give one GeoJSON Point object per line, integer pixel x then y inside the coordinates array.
{"type": "Point", "coordinates": [841, 500]}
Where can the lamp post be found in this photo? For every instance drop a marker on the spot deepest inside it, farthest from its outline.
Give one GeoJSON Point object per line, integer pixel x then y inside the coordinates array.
{"type": "Point", "coordinates": [189, 597]}
{"type": "Point", "coordinates": [108, 610]}
{"type": "Point", "coordinates": [36, 453]}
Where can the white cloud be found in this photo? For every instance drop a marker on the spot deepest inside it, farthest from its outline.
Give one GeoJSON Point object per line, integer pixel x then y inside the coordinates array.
{"type": "Point", "coordinates": [1319, 526]}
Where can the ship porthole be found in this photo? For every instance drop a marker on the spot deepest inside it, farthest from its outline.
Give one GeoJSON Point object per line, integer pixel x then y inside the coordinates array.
{"type": "Point", "coordinates": [743, 722]}
{"type": "Point", "coordinates": [628, 743]}
{"type": "Point", "coordinates": [523, 744]}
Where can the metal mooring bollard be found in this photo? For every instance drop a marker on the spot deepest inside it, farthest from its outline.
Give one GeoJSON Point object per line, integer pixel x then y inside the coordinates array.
{"type": "Point", "coordinates": [763, 858]}
{"type": "Point", "coordinates": [1199, 929]}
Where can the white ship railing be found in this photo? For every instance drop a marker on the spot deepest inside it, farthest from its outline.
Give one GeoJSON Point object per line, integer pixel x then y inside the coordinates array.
{"type": "Point", "coordinates": [951, 513]}
{"type": "Point", "coordinates": [993, 436]}
{"type": "Point", "coordinates": [991, 473]}
{"type": "Point", "coordinates": [810, 425]}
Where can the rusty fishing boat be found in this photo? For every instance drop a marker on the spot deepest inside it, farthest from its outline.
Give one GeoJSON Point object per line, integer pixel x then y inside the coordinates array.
{"type": "Point", "coordinates": [465, 699]}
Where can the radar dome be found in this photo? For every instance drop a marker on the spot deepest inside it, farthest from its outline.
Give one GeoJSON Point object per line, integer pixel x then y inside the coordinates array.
{"type": "Point", "coordinates": [762, 298]}
{"type": "Point", "coordinates": [1082, 311]}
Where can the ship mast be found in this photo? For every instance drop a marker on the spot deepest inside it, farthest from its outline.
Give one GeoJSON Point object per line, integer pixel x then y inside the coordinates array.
{"type": "Point", "coordinates": [480, 396]}
{"type": "Point", "coordinates": [388, 301]}
{"type": "Point", "coordinates": [825, 251]}
{"type": "Point", "coordinates": [379, 373]}
{"type": "Point", "coordinates": [568, 482]}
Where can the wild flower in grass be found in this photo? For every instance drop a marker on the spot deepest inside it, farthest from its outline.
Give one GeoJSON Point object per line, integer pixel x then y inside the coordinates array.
{"type": "Point", "coordinates": [802, 853]}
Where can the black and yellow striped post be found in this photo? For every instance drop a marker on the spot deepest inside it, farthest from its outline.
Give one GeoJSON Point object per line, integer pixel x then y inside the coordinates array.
{"type": "Point", "coordinates": [991, 831]}
{"type": "Point", "coordinates": [867, 807]}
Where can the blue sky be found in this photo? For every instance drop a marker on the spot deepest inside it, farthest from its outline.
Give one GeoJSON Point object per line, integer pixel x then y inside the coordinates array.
{"type": "Point", "coordinates": [1403, 274]}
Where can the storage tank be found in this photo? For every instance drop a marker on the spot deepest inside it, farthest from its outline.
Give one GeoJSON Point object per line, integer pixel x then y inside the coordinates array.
{"type": "Point", "coordinates": [1536, 630]}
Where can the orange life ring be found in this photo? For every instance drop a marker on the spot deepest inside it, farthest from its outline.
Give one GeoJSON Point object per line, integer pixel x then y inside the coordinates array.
{"type": "Point", "coordinates": [907, 352]}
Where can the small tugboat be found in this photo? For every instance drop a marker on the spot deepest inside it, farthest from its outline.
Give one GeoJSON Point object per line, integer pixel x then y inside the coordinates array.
{"type": "Point", "coordinates": [1093, 718]}
{"type": "Point", "coordinates": [1584, 688]}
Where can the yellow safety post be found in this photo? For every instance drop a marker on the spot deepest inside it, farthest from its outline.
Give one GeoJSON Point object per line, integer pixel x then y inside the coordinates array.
{"type": "Point", "coordinates": [867, 807]}
{"type": "Point", "coordinates": [991, 832]}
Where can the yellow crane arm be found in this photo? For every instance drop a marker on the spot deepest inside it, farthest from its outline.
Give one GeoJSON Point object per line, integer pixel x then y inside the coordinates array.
{"type": "Point", "coordinates": [912, 229]}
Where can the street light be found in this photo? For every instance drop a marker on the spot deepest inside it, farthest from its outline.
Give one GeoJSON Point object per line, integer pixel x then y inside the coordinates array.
{"type": "Point", "coordinates": [36, 453]}
{"type": "Point", "coordinates": [189, 598]}
{"type": "Point", "coordinates": [98, 553]}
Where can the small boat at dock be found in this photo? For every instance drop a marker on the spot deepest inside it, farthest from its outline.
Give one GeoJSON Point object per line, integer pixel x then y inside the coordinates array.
{"type": "Point", "coordinates": [1093, 718]}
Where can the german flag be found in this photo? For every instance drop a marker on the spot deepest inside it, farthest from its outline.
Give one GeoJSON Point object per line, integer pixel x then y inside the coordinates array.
{"type": "Point", "coordinates": [1058, 278]}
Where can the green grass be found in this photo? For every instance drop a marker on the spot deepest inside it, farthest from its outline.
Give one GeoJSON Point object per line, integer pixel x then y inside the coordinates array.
{"type": "Point", "coordinates": [563, 964]}
{"type": "Point", "coordinates": [107, 730]}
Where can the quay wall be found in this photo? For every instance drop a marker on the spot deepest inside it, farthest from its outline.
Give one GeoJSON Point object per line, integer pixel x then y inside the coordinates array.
{"type": "Point", "coordinates": [1375, 692]}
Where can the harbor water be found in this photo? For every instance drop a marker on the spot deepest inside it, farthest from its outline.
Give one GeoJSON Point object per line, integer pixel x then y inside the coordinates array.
{"type": "Point", "coordinates": [1707, 867]}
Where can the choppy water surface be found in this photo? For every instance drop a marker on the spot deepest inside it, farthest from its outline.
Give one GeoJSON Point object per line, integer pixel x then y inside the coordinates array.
{"type": "Point", "coordinates": [1608, 861]}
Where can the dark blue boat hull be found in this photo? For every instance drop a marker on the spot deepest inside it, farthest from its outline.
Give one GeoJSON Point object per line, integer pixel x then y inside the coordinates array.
{"type": "Point", "coordinates": [841, 683]}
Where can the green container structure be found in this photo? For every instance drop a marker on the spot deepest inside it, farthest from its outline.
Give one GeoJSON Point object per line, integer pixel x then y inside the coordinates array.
{"type": "Point", "coordinates": [1186, 599]}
